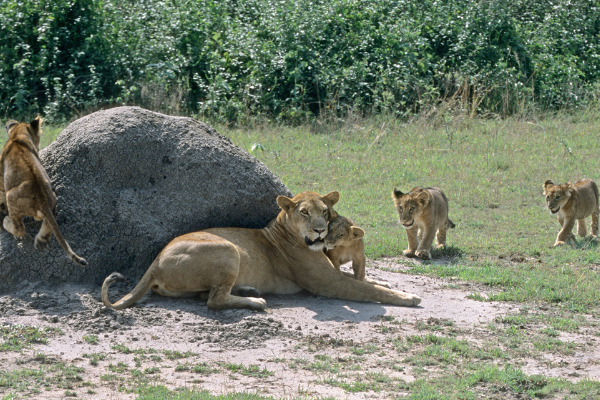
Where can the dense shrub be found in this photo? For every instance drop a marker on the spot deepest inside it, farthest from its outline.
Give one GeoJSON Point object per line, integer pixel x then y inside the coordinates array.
{"type": "Point", "coordinates": [288, 59]}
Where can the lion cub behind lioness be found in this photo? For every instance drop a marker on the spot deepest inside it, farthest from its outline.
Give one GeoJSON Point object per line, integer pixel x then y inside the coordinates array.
{"type": "Point", "coordinates": [424, 215]}
{"type": "Point", "coordinates": [345, 243]}
{"type": "Point", "coordinates": [573, 202]}
{"type": "Point", "coordinates": [25, 186]}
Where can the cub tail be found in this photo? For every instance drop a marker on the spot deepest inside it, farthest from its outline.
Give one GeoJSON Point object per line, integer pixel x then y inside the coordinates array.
{"type": "Point", "coordinates": [451, 224]}
{"type": "Point", "coordinates": [43, 237]}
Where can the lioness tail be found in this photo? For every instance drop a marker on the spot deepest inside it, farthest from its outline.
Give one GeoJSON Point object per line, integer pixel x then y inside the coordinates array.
{"type": "Point", "coordinates": [137, 293]}
{"type": "Point", "coordinates": [451, 224]}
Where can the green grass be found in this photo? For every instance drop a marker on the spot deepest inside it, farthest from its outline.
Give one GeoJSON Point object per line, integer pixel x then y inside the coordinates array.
{"type": "Point", "coordinates": [492, 172]}
{"type": "Point", "coordinates": [19, 337]}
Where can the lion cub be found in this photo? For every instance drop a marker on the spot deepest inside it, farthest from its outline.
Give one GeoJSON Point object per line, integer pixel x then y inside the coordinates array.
{"type": "Point", "coordinates": [345, 243]}
{"type": "Point", "coordinates": [572, 202]}
{"type": "Point", "coordinates": [424, 214]}
{"type": "Point", "coordinates": [25, 186]}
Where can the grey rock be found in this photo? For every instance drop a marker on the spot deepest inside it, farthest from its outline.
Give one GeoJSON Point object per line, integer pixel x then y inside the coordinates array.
{"type": "Point", "coordinates": [129, 180]}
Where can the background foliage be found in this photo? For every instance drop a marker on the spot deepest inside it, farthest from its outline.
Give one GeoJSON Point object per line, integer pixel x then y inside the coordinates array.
{"type": "Point", "coordinates": [292, 59]}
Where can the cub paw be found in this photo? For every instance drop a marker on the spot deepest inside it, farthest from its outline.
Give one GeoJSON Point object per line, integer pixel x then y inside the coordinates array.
{"type": "Point", "coordinates": [558, 243]}
{"type": "Point", "coordinates": [408, 253]}
{"type": "Point", "coordinates": [423, 254]}
{"type": "Point", "coordinates": [41, 244]}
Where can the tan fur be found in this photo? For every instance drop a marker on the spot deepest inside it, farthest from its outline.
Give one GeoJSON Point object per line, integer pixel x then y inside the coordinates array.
{"type": "Point", "coordinates": [572, 202]}
{"type": "Point", "coordinates": [283, 258]}
{"type": "Point", "coordinates": [25, 188]}
{"type": "Point", "coordinates": [424, 215]}
{"type": "Point", "coordinates": [345, 243]}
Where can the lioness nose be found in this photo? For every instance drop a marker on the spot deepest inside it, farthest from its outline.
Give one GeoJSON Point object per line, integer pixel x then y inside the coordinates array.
{"type": "Point", "coordinates": [319, 231]}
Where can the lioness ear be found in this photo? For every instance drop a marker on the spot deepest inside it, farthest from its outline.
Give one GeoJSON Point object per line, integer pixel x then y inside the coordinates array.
{"type": "Point", "coordinates": [331, 198]}
{"type": "Point", "coordinates": [397, 193]}
{"type": "Point", "coordinates": [10, 124]}
{"type": "Point", "coordinates": [285, 203]}
{"type": "Point", "coordinates": [36, 123]}
{"type": "Point", "coordinates": [357, 232]}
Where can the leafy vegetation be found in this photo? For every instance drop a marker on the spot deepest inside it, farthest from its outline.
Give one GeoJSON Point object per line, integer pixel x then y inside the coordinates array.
{"type": "Point", "coordinates": [293, 59]}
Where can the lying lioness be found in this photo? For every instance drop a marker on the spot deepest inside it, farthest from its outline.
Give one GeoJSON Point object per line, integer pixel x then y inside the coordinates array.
{"type": "Point", "coordinates": [283, 258]}
{"type": "Point", "coordinates": [25, 186]}
{"type": "Point", "coordinates": [573, 202]}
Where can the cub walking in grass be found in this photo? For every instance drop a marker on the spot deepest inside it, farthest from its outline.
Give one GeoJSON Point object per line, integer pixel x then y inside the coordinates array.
{"type": "Point", "coordinates": [345, 243]}
{"type": "Point", "coordinates": [424, 214]}
{"type": "Point", "coordinates": [572, 202]}
{"type": "Point", "coordinates": [25, 186]}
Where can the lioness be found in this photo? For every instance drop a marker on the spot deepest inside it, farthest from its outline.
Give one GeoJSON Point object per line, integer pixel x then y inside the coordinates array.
{"type": "Point", "coordinates": [572, 202]}
{"type": "Point", "coordinates": [424, 214]}
{"type": "Point", "coordinates": [25, 187]}
{"type": "Point", "coordinates": [345, 243]}
{"type": "Point", "coordinates": [283, 258]}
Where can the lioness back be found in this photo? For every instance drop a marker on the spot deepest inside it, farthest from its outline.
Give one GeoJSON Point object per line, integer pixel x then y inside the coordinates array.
{"type": "Point", "coordinates": [424, 215]}
{"type": "Point", "coordinates": [573, 202]}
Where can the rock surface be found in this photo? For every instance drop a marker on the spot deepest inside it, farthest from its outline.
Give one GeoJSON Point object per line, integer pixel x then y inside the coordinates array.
{"type": "Point", "coordinates": [129, 180]}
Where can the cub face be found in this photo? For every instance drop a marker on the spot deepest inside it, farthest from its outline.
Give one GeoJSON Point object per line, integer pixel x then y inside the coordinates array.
{"type": "Point", "coordinates": [556, 195]}
{"type": "Point", "coordinates": [410, 205]}
{"type": "Point", "coordinates": [307, 214]}
{"type": "Point", "coordinates": [341, 232]}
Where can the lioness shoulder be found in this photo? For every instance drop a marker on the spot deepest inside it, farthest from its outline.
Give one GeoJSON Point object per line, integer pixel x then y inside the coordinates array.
{"type": "Point", "coordinates": [424, 215]}
{"type": "Point", "coordinates": [25, 188]}
{"type": "Point", "coordinates": [572, 202]}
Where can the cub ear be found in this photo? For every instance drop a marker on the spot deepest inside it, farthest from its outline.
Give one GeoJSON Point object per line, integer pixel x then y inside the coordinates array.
{"type": "Point", "coordinates": [397, 193]}
{"type": "Point", "coordinates": [36, 124]}
{"type": "Point", "coordinates": [423, 197]}
{"type": "Point", "coordinates": [10, 124]}
{"type": "Point", "coordinates": [357, 232]}
{"type": "Point", "coordinates": [547, 183]}
{"type": "Point", "coordinates": [331, 198]}
{"type": "Point", "coordinates": [285, 203]}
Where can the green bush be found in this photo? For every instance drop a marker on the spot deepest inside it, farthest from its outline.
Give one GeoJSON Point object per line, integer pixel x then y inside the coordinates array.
{"type": "Point", "coordinates": [294, 59]}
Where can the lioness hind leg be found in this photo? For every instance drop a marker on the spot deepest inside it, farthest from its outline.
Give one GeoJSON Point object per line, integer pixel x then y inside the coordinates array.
{"type": "Point", "coordinates": [220, 298]}
{"type": "Point", "coordinates": [14, 224]}
{"type": "Point", "coordinates": [581, 230]}
{"type": "Point", "coordinates": [43, 236]}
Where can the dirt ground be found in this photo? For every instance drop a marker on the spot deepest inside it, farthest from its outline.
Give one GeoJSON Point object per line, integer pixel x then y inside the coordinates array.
{"type": "Point", "coordinates": [173, 335]}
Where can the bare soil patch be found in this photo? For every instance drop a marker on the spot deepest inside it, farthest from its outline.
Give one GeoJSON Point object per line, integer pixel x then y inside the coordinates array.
{"type": "Point", "coordinates": [302, 345]}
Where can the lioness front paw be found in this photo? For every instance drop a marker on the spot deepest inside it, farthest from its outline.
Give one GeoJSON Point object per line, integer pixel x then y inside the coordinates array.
{"type": "Point", "coordinates": [423, 254]}
{"type": "Point", "coordinates": [257, 304]}
{"type": "Point", "coordinates": [408, 253]}
{"type": "Point", "coordinates": [558, 243]}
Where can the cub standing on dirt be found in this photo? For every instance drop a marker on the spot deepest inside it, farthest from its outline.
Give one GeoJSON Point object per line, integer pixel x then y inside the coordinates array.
{"type": "Point", "coordinates": [345, 243]}
{"type": "Point", "coordinates": [25, 186]}
{"type": "Point", "coordinates": [424, 214]}
{"type": "Point", "coordinates": [572, 202]}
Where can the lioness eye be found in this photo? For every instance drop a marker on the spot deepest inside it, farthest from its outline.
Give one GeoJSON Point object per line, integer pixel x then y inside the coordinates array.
{"type": "Point", "coordinates": [411, 209]}
{"type": "Point", "coordinates": [304, 212]}
{"type": "Point", "coordinates": [557, 197]}
{"type": "Point", "coordinates": [400, 208]}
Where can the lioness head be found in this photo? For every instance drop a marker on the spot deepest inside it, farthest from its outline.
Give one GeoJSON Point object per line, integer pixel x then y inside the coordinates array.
{"type": "Point", "coordinates": [342, 231]}
{"type": "Point", "coordinates": [410, 205]}
{"type": "Point", "coordinates": [306, 214]}
{"type": "Point", "coordinates": [556, 195]}
{"type": "Point", "coordinates": [32, 129]}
